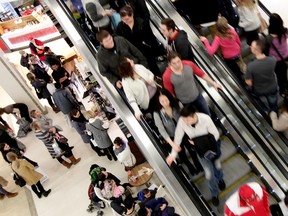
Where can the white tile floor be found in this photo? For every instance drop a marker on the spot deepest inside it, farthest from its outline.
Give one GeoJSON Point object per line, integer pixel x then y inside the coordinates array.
{"type": "Point", "coordinates": [69, 187]}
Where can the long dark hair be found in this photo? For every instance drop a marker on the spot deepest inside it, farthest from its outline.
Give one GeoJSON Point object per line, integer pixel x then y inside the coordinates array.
{"type": "Point", "coordinates": [276, 26]}
{"type": "Point", "coordinates": [174, 103]}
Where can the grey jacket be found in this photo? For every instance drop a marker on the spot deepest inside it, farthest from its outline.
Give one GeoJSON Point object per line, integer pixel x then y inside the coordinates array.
{"type": "Point", "coordinates": [64, 100]}
{"type": "Point", "coordinates": [99, 133]}
{"type": "Point", "coordinates": [108, 60]}
{"type": "Point", "coordinates": [165, 124]}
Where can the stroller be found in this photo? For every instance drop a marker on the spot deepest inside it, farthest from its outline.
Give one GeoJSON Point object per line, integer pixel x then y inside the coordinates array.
{"type": "Point", "coordinates": [95, 202]}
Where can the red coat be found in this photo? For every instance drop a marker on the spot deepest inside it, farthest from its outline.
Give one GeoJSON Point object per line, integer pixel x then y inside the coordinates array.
{"type": "Point", "coordinates": [259, 206]}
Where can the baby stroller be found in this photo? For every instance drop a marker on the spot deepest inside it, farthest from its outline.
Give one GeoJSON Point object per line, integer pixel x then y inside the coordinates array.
{"type": "Point", "coordinates": [95, 202]}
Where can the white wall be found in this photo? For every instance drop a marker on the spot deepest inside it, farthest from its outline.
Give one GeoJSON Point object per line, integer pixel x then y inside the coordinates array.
{"type": "Point", "coordinates": [278, 6]}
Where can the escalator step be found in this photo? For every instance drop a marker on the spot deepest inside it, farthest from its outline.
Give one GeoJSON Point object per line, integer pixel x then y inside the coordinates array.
{"type": "Point", "coordinates": [234, 168]}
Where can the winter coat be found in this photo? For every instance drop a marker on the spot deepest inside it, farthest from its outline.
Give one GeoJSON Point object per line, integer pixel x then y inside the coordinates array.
{"type": "Point", "coordinates": [259, 206]}
{"type": "Point", "coordinates": [24, 61]}
{"type": "Point", "coordinates": [99, 133]}
{"type": "Point", "coordinates": [108, 60]}
{"type": "Point", "coordinates": [126, 157]}
{"type": "Point", "coordinates": [26, 171]}
{"type": "Point", "coordinates": [40, 87]}
{"type": "Point", "coordinates": [80, 127]}
{"type": "Point", "coordinates": [40, 73]}
{"type": "Point", "coordinates": [136, 90]}
{"type": "Point", "coordinates": [141, 36]}
{"type": "Point", "coordinates": [180, 44]}
{"type": "Point", "coordinates": [64, 100]}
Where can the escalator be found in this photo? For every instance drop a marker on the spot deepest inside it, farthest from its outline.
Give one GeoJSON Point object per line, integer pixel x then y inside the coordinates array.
{"type": "Point", "coordinates": [239, 147]}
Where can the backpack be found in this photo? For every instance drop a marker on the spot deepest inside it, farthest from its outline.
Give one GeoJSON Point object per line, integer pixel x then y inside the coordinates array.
{"type": "Point", "coordinates": [95, 173]}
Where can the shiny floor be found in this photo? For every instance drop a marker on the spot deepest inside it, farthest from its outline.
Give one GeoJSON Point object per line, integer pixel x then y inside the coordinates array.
{"type": "Point", "coordinates": [69, 187]}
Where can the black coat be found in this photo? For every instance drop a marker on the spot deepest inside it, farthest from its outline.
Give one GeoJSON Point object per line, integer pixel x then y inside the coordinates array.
{"type": "Point", "coordinates": [40, 73]}
{"type": "Point", "coordinates": [40, 87]}
{"type": "Point", "coordinates": [141, 36]}
{"type": "Point", "coordinates": [24, 61]}
{"type": "Point", "coordinates": [108, 60]}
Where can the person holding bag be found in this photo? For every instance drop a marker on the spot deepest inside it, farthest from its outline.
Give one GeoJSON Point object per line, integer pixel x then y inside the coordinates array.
{"type": "Point", "coordinates": [53, 142]}
{"type": "Point", "coordinates": [26, 170]}
{"type": "Point", "coordinates": [278, 47]}
{"type": "Point", "coordinates": [98, 129]}
{"type": "Point", "coordinates": [123, 153]}
{"type": "Point", "coordinates": [41, 90]}
{"type": "Point", "coordinates": [197, 125]}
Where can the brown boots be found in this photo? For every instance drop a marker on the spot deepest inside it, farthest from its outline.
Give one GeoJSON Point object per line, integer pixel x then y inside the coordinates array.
{"type": "Point", "coordinates": [66, 164]}
{"type": "Point", "coordinates": [74, 160]}
{"type": "Point", "coordinates": [9, 195]}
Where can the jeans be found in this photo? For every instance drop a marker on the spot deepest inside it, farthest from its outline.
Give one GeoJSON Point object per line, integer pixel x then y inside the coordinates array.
{"type": "Point", "coordinates": [213, 174]}
{"type": "Point", "coordinates": [270, 98]}
{"type": "Point", "coordinates": [200, 104]}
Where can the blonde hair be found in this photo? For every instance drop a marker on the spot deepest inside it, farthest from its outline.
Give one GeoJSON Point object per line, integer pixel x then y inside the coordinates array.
{"type": "Point", "coordinates": [251, 4]}
{"type": "Point", "coordinates": [12, 157]}
{"type": "Point", "coordinates": [223, 29]}
{"type": "Point", "coordinates": [89, 114]}
{"type": "Point", "coordinates": [35, 125]}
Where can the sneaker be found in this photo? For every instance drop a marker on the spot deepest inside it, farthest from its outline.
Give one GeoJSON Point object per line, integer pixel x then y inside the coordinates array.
{"type": "Point", "coordinates": [215, 201]}
{"type": "Point", "coordinates": [46, 193]}
{"type": "Point", "coordinates": [221, 185]}
{"type": "Point", "coordinates": [10, 195]}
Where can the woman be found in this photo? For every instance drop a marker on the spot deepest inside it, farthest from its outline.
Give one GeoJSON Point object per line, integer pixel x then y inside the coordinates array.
{"type": "Point", "coordinates": [98, 130]}
{"type": "Point", "coordinates": [78, 121]}
{"type": "Point", "coordinates": [139, 86]}
{"type": "Point", "coordinates": [280, 124]}
{"type": "Point", "coordinates": [47, 136]}
{"type": "Point", "coordinates": [166, 116]}
{"type": "Point", "coordinates": [228, 41]}
{"type": "Point", "coordinates": [16, 109]}
{"type": "Point", "coordinates": [139, 33]}
{"type": "Point", "coordinates": [123, 153]}
{"type": "Point", "coordinates": [5, 149]}
{"type": "Point", "coordinates": [26, 170]}
{"type": "Point", "coordinates": [249, 19]}
{"type": "Point", "coordinates": [279, 49]}
{"type": "Point", "coordinates": [41, 90]}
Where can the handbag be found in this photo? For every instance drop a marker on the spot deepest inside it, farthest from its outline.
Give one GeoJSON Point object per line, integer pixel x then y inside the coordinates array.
{"type": "Point", "coordinates": [58, 151]}
{"type": "Point", "coordinates": [60, 138]}
{"type": "Point", "coordinates": [18, 180]}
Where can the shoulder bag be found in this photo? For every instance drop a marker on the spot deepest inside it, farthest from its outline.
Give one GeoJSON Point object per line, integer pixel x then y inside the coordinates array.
{"type": "Point", "coordinates": [18, 180]}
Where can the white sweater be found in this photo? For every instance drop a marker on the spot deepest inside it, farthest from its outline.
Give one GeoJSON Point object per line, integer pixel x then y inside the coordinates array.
{"type": "Point", "coordinates": [249, 19]}
{"type": "Point", "coordinates": [136, 90]}
{"type": "Point", "coordinates": [204, 126]}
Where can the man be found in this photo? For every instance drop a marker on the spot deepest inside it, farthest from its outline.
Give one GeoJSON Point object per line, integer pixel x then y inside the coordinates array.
{"type": "Point", "coordinates": [49, 55]}
{"type": "Point", "coordinates": [64, 99]}
{"type": "Point", "coordinates": [250, 199]}
{"type": "Point", "coordinates": [139, 33]}
{"type": "Point", "coordinates": [194, 125]}
{"type": "Point", "coordinates": [261, 77]}
{"type": "Point", "coordinates": [179, 80]}
{"type": "Point", "coordinates": [177, 39]}
{"type": "Point", "coordinates": [108, 55]}
{"type": "Point", "coordinates": [25, 58]}
{"type": "Point", "coordinates": [59, 74]}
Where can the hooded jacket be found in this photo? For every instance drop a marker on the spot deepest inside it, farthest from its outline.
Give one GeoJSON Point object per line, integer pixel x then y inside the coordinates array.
{"type": "Point", "coordinates": [259, 206]}
{"type": "Point", "coordinates": [180, 44]}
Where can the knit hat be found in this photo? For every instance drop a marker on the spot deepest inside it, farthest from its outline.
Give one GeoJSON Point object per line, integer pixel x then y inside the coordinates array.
{"type": "Point", "coordinates": [21, 52]}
